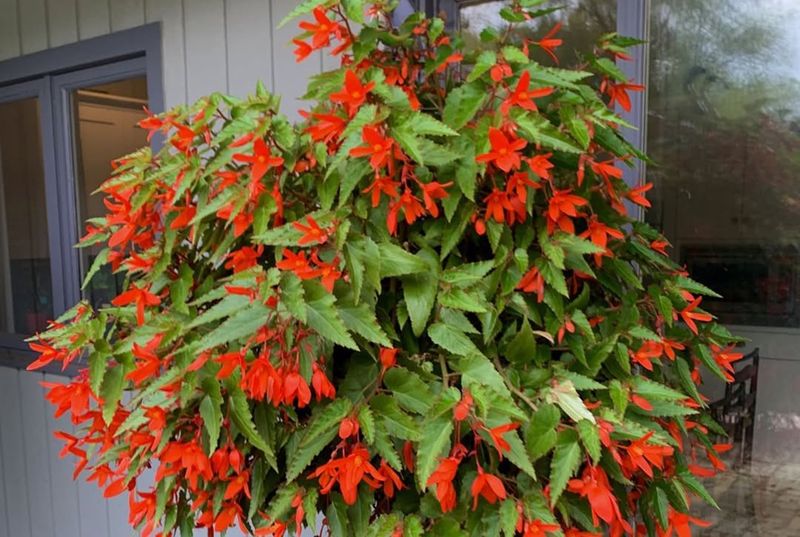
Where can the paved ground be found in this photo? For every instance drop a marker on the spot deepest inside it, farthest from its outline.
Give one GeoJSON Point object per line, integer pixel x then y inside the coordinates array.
{"type": "Point", "coordinates": [760, 501]}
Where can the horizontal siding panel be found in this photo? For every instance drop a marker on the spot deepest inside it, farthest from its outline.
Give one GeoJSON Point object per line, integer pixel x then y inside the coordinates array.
{"type": "Point", "coordinates": [33, 25]}
{"type": "Point", "coordinates": [249, 28]}
{"type": "Point", "coordinates": [205, 47]}
{"type": "Point", "coordinates": [9, 38]}
{"type": "Point", "coordinates": [93, 18]}
{"type": "Point", "coordinates": [126, 14]}
{"type": "Point", "coordinates": [62, 22]}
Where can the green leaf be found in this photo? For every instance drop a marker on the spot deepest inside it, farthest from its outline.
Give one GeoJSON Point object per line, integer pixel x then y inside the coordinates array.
{"type": "Point", "coordinates": [242, 324]}
{"type": "Point", "coordinates": [354, 9]}
{"type": "Point", "coordinates": [468, 273]}
{"type": "Point", "coordinates": [243, 419]}
{"type": "Point", "coordinates": [435, 438]}
{"type": "Point", "coordinates": [322, 428]}
{"type": "Point", "coordinates": [383, 526]}
{"type": "Point", "coordinates": [282, 501]}
{"type": "Point", "coordinates": [486, 60]}
{"type": "Point", "coordinates": [397, 262]}
{"type": "Point", "coordinates": [419, 292]}
{"type": "Point", "coordinates": [477, 369]}
{"type": "Point", "coordinates": [310, 507]}
{"type": "Point", "coordinates": [694, 287]}
{"type": "Point", "coordinates": [650, 390]}
{"type": "Point", "coordinates": [540, 436]}
{"type": "Point", "coordinates": [361, 320]}
{"type": "Point", "coordinates": [513, 54]}
{"type": "Point", "coordinates": [412, 526]}
{"type": "Point", "coordinates": [426, 124]}
{"type": "Point", "coordinates": [293, 296]}
{"type": "Point", "coordinates": [306, 6]}
{"type": "Point", "coordinates": [338, 523]}
{"type": "Point", "coordinates": [396, 422]}
{"type": "Point", "coordinates": [522, 349]}
{"type": "Point", "coordinates": [540, 131]}
{"type": "Point", "coordinates": [692, 483]}
{"type": "Point", "coordinates": [111, 391]}
{"type": "Point", "coordinates": [99, 261]}
{"type": "Point", "coordinates": [508, 517]}
{"type": "Point", "coordinates": [323, 316]}
{"type": "Point", "coordinates": [590, 438]}
{"type": "Point", "coordinates": [462, 104]}
{"type": "Point", "coordinates": [366, 422]}
{"type": "Point", "coordinates": [212, 421]}
{"type": "Point", "coordinates": [564, 395]}
{"type": "Point", "coordinates": [554, 278]}
{"type": "Point", "coordinates": [98, 364]}
{"type": "Point", "coordinates": [257, 492]}
{"type": "Point", "coordinates": [409, 390]}
{"type": "Point", "coordinates": [453, 340]}
{"type": "Point", "coordinates": [566, 458]}
{"type": "Point", "coordinates": [460, 299]}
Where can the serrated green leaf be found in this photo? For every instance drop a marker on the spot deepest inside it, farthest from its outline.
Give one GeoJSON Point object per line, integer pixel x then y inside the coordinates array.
{"type": "Point", "coordinates": [462, 104]}
{"type": "Point", "coordinates": [243, 419]}
{"type": "Point", "coordinates": [397, 262]}
{"type": "Point", "coordinates": [409, 389]}
{"type": "Point", "coordinates": [361, 320]}
{"type": "Point", "coordinates": [396, 422]}
{"type": "Point", "coordinates": [323, 317]}
{"type": "Point", "coordinates": [111, 391]}
{"type": "Point", "coordinates": [366, 422]}
{"type": "Point", "coordinates": [453, 340]}
{"type": "Point", "coordinates": [212, 421]}
{"type": "Point", "coordinates": [590, 438]}
{"type": "Point", "coordinates": [460, 299]}
{"type": "Point", "coordinates": [321, 430]}
{"type": "Point", "coordinates": [566, 458]}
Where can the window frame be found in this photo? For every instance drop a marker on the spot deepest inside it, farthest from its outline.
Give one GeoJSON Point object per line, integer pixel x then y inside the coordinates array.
{"type": "Point", "coordinates": [51, 75]}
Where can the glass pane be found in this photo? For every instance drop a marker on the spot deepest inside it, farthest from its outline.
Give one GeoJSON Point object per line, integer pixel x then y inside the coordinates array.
{"type": "Point", "coordinates": [724, 132]}
{"type": "Point", "coordinates": [583, 21]}
{"type": "Point", "coordinates": [106, 117]}
{"type": "Point", "coordinates": [26, 294]}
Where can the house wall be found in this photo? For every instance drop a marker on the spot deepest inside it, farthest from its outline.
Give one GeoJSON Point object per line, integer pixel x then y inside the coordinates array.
{"type": "Point", "coordinates": [207, 45]}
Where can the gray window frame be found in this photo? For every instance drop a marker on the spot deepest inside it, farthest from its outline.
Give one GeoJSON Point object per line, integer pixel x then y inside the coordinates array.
{"type": "Point", "coordinates": [50, 76]}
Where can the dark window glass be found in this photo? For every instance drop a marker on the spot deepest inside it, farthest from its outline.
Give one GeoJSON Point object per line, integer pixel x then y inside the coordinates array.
{"type": "Point", "coordinates": [26, 294]}
{"type": "Point", "coordinates": [724, 132]}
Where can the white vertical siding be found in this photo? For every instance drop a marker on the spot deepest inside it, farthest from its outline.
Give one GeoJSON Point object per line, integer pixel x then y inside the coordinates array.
{"type": "Point", "coordinates": [62, 21]}
{"type": "Point", "coordinates": [32, 18]}
{"type": "Point", "coordinates": [206, 60]}
{"type": "Point", "coordinates": [93, 18]}
{"type": "Point", "coordinates": [9, 39]}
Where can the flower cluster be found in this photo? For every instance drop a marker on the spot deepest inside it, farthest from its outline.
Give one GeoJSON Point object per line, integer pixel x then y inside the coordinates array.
{"type": "Point", "coordinates": [424, 310]}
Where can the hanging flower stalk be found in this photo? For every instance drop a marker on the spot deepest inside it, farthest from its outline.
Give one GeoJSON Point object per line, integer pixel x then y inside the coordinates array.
{"type": "Point", "coordinates": [425, 310]}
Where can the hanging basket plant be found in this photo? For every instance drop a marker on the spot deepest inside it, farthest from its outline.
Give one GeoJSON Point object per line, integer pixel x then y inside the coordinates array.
{"type": "Point", "coordinates": [425, 310]}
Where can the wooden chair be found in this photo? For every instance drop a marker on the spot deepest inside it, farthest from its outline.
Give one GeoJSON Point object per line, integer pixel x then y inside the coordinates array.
{"type": "Point", "coordinates": [736, 411]}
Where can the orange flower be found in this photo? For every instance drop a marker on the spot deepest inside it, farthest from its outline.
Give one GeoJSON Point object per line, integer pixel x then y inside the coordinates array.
{"type": "Point", "coordinates": [348, 472]}
{"type": "Point", "coordinates": [504, 153]}
{"type": "Point", "coordinates": [431, 192]}
{"type": "Point", "coordinates": [533, 282]}
{"type": "Point", "coordinates": [642, 455]}
{"type": "Point", "coordinates": [636, 195]}
{"type": "Point", "coordinates": [322, 386]}
{"type": "Point", "coordinates": [261, 160]}
{"type": "Point", "coordinates": [462, 409]}
{"type": "Point", "coordinates": [488, 486]}
{"type": "Point", "coordinates": [382, 185]}
{"type": "Point", "coordinates": [378, 147]}
{"type": "Point", "coordinates": [312, 233]}
{"type": "Point", "coordinates": [594, 486]}
{"type": "Point", "coordinates": [388, 357]}
{"type": "Point", "coordinates": [537, 528]}
{"type": "Point", "coordinates": [618, 93]}
{"type": "Point", "coordinates": [561, 209]}
{"type": "Point", "coordinates": [724, 358]}
{"type": "Point", "coordinates": [541, 165]}
{"type": "Point", "coordinates": [353, 94]}
{"type": "Point", "coordinates": [689, 315]}
{"type": "Point", "coordinates": [496, 434]}
{"type": "Point", "coordinates": [326, 127]}
{"type": "Point", "coordinates": [549, 43]}
{"type": "Point", "coordinates": [139, 296]}
{"type": "Point", "coordinates": [522, 96]}
{"type": "Point", "coordinates": [412, 209]}
{"type": "Point", "coordinates": [497, 203]}
{"type": "Point", "coordinates": [599, 233]}
{"type": "Point", "coordinates": [443, 477]}
{"type": "Point", "coordinates": [322, 29]}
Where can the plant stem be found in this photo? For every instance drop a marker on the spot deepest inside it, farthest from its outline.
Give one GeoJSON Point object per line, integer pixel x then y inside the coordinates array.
{"type": "Point", "coordinates": [443, 365]}
{"type": "Point", "coordinates": [513, 389]}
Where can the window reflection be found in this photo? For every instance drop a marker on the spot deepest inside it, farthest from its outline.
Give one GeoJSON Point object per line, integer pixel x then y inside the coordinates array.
{"type": "Point", "coordinates": [724, 131]}
{"type": "Point", "coordinates": [26, 293]}
{"type": "Point", "coordinates": [583, 21]}
{"type": "Point", "coordinates": [106, 116]}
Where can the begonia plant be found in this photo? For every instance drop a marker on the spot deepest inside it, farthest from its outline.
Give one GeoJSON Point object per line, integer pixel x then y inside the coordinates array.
{"type": "Point", "coordinates": [427, 309]}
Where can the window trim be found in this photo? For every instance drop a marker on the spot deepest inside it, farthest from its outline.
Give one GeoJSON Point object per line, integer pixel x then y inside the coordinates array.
{"type": "Point", "coordinates": [50, 75]}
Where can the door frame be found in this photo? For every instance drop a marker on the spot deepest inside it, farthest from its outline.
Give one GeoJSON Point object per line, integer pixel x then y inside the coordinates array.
{"type": "Point", "coordinates": [50, 76]}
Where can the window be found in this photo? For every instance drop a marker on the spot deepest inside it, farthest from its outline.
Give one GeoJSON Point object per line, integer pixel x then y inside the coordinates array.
{"type": "Point", "coordinates": [59, 130]}
{"type": "Point", "coordinates": [725, 81]}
